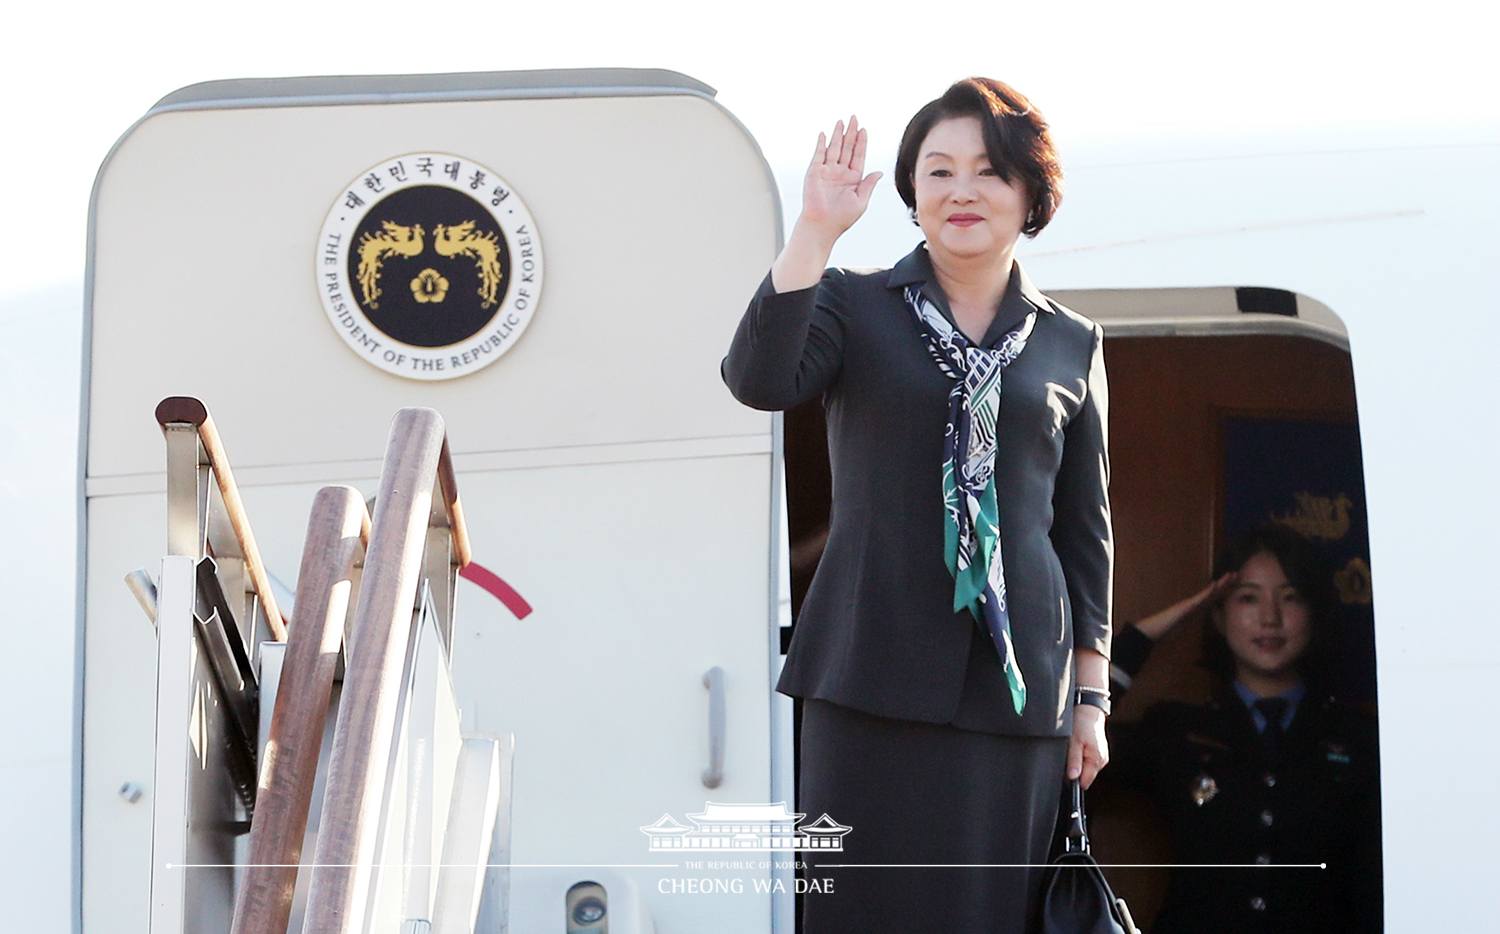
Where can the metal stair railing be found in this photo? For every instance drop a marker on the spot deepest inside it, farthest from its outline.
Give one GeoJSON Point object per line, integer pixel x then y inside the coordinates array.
{"type": "Point", "coordinates": [416, 511]}
{"type": "Point", "coordinates": [194, 528]}
{"type": "Point", "coordinates": [338, 532]}
{"type": "Point", "coordinates": [214, 597]}
{"type": "Point", "coordinates": [214, 604]}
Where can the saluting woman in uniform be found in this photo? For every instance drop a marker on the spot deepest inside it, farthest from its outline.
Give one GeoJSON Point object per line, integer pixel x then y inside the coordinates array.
{"type": "Point", "coordinates": [1273, 771]}
{"type": "Point", "coordinates": [951, 650]}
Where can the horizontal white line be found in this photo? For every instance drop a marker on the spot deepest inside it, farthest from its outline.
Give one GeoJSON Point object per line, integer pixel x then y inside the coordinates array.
{"type": "Point", "coordinates": [1045, 865]}
{"type": "Point", "coordinates": [679, 865]}
{"type": "Point", "coordinates": [424, 865]}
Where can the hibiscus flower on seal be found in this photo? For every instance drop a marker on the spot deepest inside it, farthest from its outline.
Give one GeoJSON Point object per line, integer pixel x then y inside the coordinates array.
{"type": "Point", "coordinates": [428, 286]}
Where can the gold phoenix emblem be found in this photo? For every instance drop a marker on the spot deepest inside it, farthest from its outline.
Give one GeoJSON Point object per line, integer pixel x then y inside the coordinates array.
{"type": "Point", "coordinates": [455, 240]}
{"type": "Point", "coordinates": [1318, 517]}
{"type": "Point", "coordinates": [461, 240]}
{"type": "Point", "coordinates": [417, 250]}
{"type": "Point", "coordinates": [393, 240]}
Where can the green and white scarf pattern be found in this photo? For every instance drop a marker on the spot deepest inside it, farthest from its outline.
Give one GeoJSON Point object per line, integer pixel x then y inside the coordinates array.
{"type": "Point", "coordinates": [971, 514]}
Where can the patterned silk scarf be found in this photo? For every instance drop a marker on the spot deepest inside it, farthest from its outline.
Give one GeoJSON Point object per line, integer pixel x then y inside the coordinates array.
{"type": "Point", "coordinates": [971, 516]}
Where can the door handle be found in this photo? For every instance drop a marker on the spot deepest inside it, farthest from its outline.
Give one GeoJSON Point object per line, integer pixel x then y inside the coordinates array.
{"type": "Point", "coordinates": [713, 679]}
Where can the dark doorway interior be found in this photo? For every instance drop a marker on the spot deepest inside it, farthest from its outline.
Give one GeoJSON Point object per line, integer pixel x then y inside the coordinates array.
{"type": "Point", "coordinates": [1174, 407]}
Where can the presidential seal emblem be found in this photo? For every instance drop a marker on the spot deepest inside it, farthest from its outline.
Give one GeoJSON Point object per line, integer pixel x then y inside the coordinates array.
{"type": "Point", "coordinates": [429, 266]}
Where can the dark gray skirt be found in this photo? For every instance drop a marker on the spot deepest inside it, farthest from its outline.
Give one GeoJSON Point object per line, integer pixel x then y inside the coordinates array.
{"type": "Point", "coordinates": [944, 823]}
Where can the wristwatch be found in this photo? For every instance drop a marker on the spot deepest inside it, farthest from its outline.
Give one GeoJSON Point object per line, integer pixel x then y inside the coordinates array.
{"type": "Point", "coordinates": [1094, 697]}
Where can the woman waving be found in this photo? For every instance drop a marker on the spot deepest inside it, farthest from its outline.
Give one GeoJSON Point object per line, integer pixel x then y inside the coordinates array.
{"type": "Point", "coordinates": [951, 651]}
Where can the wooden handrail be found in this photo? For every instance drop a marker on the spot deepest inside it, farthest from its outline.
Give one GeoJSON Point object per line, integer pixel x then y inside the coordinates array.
{"type": "Point", "coordinates": [337, 529]}
{"type": "Point", "coordinates": [365, 733]}
{"type": "Point", "coordinates": [457, 526]}
{"type": "Point", "coordinates": [191, 411]}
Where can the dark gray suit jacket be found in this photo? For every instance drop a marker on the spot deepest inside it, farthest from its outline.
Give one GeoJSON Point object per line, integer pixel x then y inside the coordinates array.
{"type": "Point", "coordinates": [877, 631]}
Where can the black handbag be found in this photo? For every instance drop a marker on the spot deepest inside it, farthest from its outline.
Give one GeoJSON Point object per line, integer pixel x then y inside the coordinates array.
{"type": "Point", "coordinates": [1076, 898]}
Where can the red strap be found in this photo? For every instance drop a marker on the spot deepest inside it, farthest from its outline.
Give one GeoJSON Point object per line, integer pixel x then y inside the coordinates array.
{"type": "Point", "coordinates": [503, 592]}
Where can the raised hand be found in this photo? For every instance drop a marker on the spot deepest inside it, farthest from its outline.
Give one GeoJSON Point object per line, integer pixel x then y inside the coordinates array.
{"type": "Point", "coordinates": [1161, 622]}
{"type": "Point", "coordinates": [836, 191]}
{"type": "Point", "coordinates": [834, 195]}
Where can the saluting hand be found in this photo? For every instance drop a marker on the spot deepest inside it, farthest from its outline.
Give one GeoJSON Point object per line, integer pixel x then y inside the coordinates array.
{"type": "Point", "coordinates": [1161, 622]}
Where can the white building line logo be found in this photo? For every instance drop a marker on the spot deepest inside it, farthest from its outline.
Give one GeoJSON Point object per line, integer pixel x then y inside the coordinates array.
{"type": "Point", "coordinates": [746, 827]}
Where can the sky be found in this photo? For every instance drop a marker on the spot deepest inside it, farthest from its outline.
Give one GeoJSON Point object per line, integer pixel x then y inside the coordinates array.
{"type": "Point", "coordinates": [79, 75]}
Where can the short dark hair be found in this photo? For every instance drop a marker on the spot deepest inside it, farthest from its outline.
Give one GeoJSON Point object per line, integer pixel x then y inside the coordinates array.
{"type": "Point", "coordinates": [1016, 138]}
{"type": "Point", "coordinates": [1306, 569]}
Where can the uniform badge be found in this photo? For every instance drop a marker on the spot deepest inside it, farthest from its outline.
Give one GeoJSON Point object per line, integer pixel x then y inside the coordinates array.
{"type": "Point", "coordinates": [1203, 789]}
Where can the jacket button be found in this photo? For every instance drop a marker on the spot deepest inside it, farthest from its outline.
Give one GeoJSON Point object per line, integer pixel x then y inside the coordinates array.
{"type": "Point", "coordinates": [1263, 859]}
{"type": "Point", "coordinates": [1270, 780]}
{"type": "Point", "coordinates": [1265, 818]}
{"type": "Point", "coordinates": [1258, 903]}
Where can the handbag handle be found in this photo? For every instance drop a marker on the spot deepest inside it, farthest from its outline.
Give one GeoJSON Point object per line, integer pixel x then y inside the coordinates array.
{"type": "Point", "coordinates": [1078, 837]}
